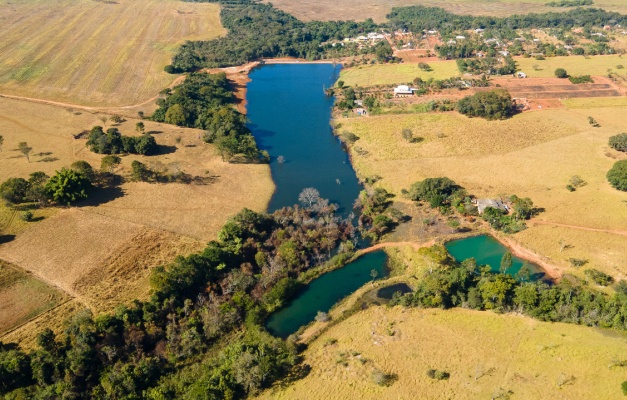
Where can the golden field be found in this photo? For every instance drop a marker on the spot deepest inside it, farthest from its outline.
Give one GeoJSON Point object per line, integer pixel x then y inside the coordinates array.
{"type": "Point", "coordinates": [94, 52]}
{"type": "Point", "coordinates": [386, 74]}
{"type": "Point", "coordinates": [377, 9]}
{"type": "Point", "coordinates": [533, 154]}
{"type": "Point", "coordinates": [574, 65]}
{"type": "Point", "coordinates": [486, 354]}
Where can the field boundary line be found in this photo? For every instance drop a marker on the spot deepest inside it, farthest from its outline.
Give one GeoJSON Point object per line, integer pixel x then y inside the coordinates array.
{"type": "Point", "coordinates": [583, 228]}
{"type": "Point", "coordinates": [36, 317]}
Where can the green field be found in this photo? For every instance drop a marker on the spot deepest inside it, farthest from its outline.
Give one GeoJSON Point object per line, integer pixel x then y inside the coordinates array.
{"type": "Point", "coordinates": [386, 74]}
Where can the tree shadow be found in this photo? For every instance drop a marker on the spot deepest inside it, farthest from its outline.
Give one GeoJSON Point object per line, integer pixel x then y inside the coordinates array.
{"type": "Point", "coordinates": [102, 195]}
{"type": "Point", "coordinates": [6, 238]}
{"type": "Point", "coordinates": [154, 132]}
{"type": "Point", "coordinates": [165, 149]}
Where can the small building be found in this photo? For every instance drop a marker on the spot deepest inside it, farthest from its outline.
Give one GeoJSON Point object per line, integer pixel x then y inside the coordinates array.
{"type": "Point", "coordinates": [403, 91]}
{"type": "Point", "coordinates": [479, 30]}
{"type": "Point", "coordinates": [460, 37]}
{"type": "Point", "coordinates": [482, 204]}
{"type": "Point", "coordinates": [359, 103]}
{"type": "Point", "coordinates": [360, 111]}
{"type": "Point", "coordinates": [521, 75]}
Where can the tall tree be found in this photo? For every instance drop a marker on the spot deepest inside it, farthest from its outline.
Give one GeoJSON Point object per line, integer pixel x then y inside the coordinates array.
{"type": "Point", "coordinates": [25, 149]}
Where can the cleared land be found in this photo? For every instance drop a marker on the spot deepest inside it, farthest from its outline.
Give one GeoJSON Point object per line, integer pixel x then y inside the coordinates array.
{"type": "Point", "coordinates": [377, 9]}
{"type": "Point", "coordinates": [23, 297]}
{"type": "Point", "coordinates": [533, 154]}
{"type": "Point", "coordinates": [385, 74]}
{"type": "Point", "coordinates": [486, 355]}
{"type": "Point", "coordinates": [574, 65]}
{"type": "Point", "coordinates": [96, 52]}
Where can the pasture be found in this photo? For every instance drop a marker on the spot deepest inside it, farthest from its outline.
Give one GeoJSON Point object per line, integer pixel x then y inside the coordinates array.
{"type": "Point", "coordinates": [309, 10]}
{"type": "Point", "coordinates": [533, 154]}
{"type": "Point", "coordinates": [385, 74]}
{"type": "Point", "coordinates": [574, 65]}
{"type": "Point", "coordinates": [104, 53]}
{"type": "Point", "coordinates": [486, 355]}
{"type": "Point", "coordinates": [23, 297]}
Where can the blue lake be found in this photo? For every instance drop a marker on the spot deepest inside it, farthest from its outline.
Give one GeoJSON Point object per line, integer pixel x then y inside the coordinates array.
{"type": "Point", "coordinates": [289, 116]}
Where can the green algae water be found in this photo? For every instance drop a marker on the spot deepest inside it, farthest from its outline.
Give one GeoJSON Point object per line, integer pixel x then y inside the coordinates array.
{"type": "Point", "coordinates": [290, 116]}
{"type": "Point", "coordinates": [322, 293]}
{"type": "Point", "coordinates": [488, 251]}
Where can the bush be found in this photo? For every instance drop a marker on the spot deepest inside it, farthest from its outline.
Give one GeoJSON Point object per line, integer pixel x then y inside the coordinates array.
{"type": "Point", "coordinates": [382, 379]}
{"type": "Point", "coordinates": [580, 79]}
{"type": "Point", "coordinates": [67, 186]}
{"type": "Point", "coordinates": [14, 190]}
{"type": "Point", "coordinates": [561, 73]}
{"type": "Point", "coordinates": [598, 277]}
{"type": "Point", "coordinates": [623, 386]}
{"type": "Point", "coordinates": [619, 142]}
{"type": "Point", "coordinates": [617, 176]}
{"type": "Point", "coordinates": [439, 375]}
{"type": "Point", "coordinates": [321, 316]}
{"type": "Point", "coordinates": [27, 216]}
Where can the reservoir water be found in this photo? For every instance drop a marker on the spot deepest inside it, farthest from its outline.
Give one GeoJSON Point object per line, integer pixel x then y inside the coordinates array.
{"type": "Point", "coordinates": [289, 116]}
{"type": "Point", "coordinates": [488, 251]}
{"type": "Point", "coordinates": [322, 293]}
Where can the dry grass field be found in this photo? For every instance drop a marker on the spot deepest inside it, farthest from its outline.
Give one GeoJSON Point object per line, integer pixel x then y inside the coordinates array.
{"type": "Point", "coordinates": [486, 355]}
{"type": "Point", "coordinates": [23, 297]}
{"type": "Point", "coordinates": [95, 52]}
{"type": "Point", "coordinates": [384, 74]}
{"type": "Point", "coordinates": [377, 9]}
{"type": "Point", "coordinates": [533, 154]}
{"type": "Point", "coordinates": [574, 65]}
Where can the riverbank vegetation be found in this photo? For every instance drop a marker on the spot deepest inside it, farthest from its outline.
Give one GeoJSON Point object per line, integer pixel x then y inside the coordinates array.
{"type": "Point", "coordinates": [169, 346]}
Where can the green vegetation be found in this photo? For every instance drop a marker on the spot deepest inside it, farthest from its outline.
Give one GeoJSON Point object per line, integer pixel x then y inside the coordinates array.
{"type": "Point", "coordinates": [113, 142]}
{"type": "Point", "coordinates": [200, 335]}
{"type": "Point", "coordinates": [438, 375]}
{"type": "Point", "coordinates": [485, 65]}
{"type": "Point", "coordinates": [260, 30]}
{"type": "Point", "coordinates": [580, 79]}
{"type": "Point", "coordinates": [598, 277]}
{"type": "Point", "coordinates": [570, 3]}
{"type": "Point", "coordinates": [205, 101]}
{"type": "Point", "coordinates": [617, 176]}
{"type": "Point", "coordinates": [510, 223]}
{"type": "Point", "coordinates": [489, 105]}
{"type": "Point", "coordinates": [619, 142]}
{"type": "Point", "coordinates": [561, 73]}
{"type": "Point", "coordinates": [439, 193]}
{"type": "Point", "coordinates": [67, 186]}
{"type": "Point", "coordinates": [468, 285]}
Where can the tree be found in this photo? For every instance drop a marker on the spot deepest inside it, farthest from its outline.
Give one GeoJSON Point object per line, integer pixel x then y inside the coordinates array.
{"type": "Point", "coordinates": [617, 142]}
{"type": "Point", "coordinates": [67, 186]}
{"type": "Point", "coordinates": [84, 168]}
{"type": "Point", "coordinates": [104, 120]}
{"type": "Point", "coordinates": [25, 149]}
{"type": "Point", "coordinates": [617, 176]}
{"type": "Point", "coordinates": [561, 73]}
{"type": "Point", "coordinates": [176, 115]}
{"type": "Point", "coordinates": [309, 196]}
{"type": "Point", "coordinates": [139, 127]}
{"type": "Point", "coordinates": [340, 84]}
{"type": "Point", "coordinates": [506, 262]}
{"type": "Point", "coordinates": [491, 105]}
{"type": "Point", "coordinates": [117, 119]}
{"type": "Point", "coordinates": [37, 182]}
{"type": "Point", "coordinates": [424, 66]}
{"type": "Point", "coordinates": [139, 172]}
{"type": "Point", "coordinates": [1, 142]}
{"type": "Point", "coordinates": [408, 134]}
{"type": "Point", "coordinates": [109, 162]}
{"type": "Point", "coordinates": [14, 190]}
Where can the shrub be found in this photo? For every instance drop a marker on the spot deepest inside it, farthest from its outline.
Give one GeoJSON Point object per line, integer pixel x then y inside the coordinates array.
{"type": "Point", "coordinates": [322, 317]}
{"type": "Point", "coordinates": [623, 386]}
{"type": "Point", "coordinates": [67, 186]}
{"type": "Point", "coordinates": [578, 262]}
{"type": "Point", "coordinates": [14, 190]}
{"type": "Point", "coordinates": [561, 73]}
{"type": "Point", "coordinates": [439, 375]}
{"type": "Point", "coordinates": [27, 216]}
{"type": "Point", "coordinates": [382, 379]}
{"type": "Point", "coordinates": [619, 142]}
{"type": "Point", "coordinates": [598, 277]}
{"type": "Point", "coordinates": [617, 176]}
{"type": "Point", "coordinates": [580, 79]}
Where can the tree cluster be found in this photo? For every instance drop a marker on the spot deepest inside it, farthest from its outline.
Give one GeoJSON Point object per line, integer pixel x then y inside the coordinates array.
{"type": "Point", "coordinates": [205, 101]}
{"type": "Point", "coordinates": [487, 66]}
{"type": "Point", "coordinates": [491, 105]}
{"type": "Point", "coordinates": [619, 142]}
{"type": "Point", "coordinates": [500, 220]}
{"type": "Point", "coordinates": [173, 346]}
{"type": "Point", "coordinates": [113, 142]}
{"type": "Point", "coordinates": [617, 175]}
{"type": "Point", "coordinates": [471, 286]}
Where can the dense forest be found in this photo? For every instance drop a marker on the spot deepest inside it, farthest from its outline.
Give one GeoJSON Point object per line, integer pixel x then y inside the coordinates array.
{"type": "Point", "coordinates": [259, 30]}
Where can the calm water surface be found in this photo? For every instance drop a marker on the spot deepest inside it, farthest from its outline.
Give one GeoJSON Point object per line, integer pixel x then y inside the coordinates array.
{"type": "Point", "coordinates": [290, 116]}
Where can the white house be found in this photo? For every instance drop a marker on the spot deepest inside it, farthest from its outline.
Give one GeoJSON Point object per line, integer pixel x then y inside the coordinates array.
{"type": "Point", "coordinates": [460, 37]}
{"type": "Point", "coordinates": [403, 90]}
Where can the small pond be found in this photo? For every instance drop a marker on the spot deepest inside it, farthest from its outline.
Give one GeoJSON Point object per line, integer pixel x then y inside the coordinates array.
{"type": "Point", "coordinates": [322, 293]}
{"type": "Point", "coordinates": [488, 251]}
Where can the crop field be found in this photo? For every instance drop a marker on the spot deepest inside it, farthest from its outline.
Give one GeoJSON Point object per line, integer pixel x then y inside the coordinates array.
{"type": "Point", "coordinates": [554, 88]}
{"type": "Point", "coordinates": [574, 65]}
{"type": "Point", "coordinates": [533, 154]}
{"type": "Point", "coordinates": [105, 53]}
{"type": "Point", "coordinates": [23, 297]}
{"type": "Point", "coordinates": [377, 9]}
{"type": "Point", "coordinates": [487, 355]}
{"type": "Point", "coordinates": [384, 74]}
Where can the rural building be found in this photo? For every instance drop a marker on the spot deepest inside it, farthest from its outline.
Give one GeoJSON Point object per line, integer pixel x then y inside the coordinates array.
{"type": "Point", "coordinates": [359, 103]}
{"type": "Point", "coordinates": [403, 91]}
{"type": "Point", "coordinates": [482, 204]}
{"type": "Point", "coordinates": [521, 75]}
{"type": "Point", "coordinates": [460, 37]}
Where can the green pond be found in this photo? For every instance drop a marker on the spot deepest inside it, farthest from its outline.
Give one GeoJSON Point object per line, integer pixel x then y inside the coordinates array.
{"type": "Point", "coordinates": [322, 293]}
{"type": "Point", "coordinates": [489, 251]}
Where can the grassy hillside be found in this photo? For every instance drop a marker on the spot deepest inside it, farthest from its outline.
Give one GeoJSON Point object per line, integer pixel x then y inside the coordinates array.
{"type": "Point", "coordinates": [487, 355]}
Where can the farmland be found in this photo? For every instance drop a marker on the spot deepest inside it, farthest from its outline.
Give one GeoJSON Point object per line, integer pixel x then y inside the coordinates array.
{"type": "Point", "coordinates": [381, 74]}
{"type": "Point", "coordinates": [533, 154]}
{"type": "Point", "coordinates": [377, 9]}
{"type": "Point", "coordinates": [574, 65]}
{"type": "Point", "coordinates": [96, 52]}
{"type": "Point", "coordinates": [542, 360]}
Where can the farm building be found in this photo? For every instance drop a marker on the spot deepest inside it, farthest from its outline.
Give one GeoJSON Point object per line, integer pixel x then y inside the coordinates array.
{"type": "Point", "coordinates": [521, 75]}
{"type": "Point", "coordinates": [482, 204]}
{"type": "Point", "coordinates": [403, 90]}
